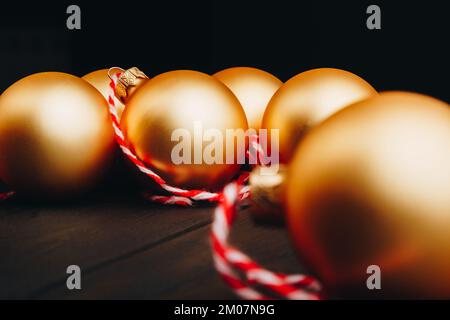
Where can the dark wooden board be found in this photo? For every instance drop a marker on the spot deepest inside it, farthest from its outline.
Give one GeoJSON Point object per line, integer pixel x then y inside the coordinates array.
{"type": "Point", "coordinates": [126, 247]}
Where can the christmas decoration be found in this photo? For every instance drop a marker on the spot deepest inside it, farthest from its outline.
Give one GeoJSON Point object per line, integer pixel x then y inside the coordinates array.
{"type": "Point", "coordinates": [127, 83]}
{"type": "Point", "coordinates": [307, 99]}
{"type": "Point", "coordinates": [371, 186]}
{"type": "Point", "coordinates": [267, 192]}
{"type": "Point", "coordinates": [253, 87]}
{"type": "Point", "coordinates": [100, 80]}
{"type": "Point", "coordinates": [192, 103]}
{"type": "Point", "coordinates": [55, 135]}
{"type": "Point", "coordinates": [174, 195]}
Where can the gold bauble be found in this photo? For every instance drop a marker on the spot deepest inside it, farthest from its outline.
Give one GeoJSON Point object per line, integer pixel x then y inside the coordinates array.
{"type": "Point", "coordinates": [253, 87]}
{"type": "Point", "coordinates": [100, 80]}
{"type": "Point", "coordinates": [55, 135]}
{"type": "Point", "coordinates": [307, 99]}
{"type": "Point", "coordinates": [181, 100]}
{"type": "Point", "coordinates": [371, 186]}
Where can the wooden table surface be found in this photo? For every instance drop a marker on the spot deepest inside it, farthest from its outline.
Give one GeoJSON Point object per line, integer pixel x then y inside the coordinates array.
{"type": "Point", "coordinates": [126, 247]}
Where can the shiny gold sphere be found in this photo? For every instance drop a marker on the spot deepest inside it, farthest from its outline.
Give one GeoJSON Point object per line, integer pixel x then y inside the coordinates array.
{"type": "Point", "coordinates": [306, 100]}
{"type": "Point", "coordinates": [253, 87]}
{"type": "Point", "coordinates": [100, 80]}
{"type": "Point", "coordinates": [179, 102]}
{"type": "Point", "coordinates": [55, 135]}
{"type": "Point", "coordinates": [371, 186]}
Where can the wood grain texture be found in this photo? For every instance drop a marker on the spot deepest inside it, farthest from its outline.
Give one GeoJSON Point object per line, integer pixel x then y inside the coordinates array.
{"type": "Point", "coordinates": [37, 243]}
{"type": "Point", "coordinates": [126, 248]}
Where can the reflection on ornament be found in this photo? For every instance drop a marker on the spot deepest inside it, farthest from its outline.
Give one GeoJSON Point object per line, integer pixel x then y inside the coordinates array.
{"type": "Point", "coordinates": [55, 135]}
{"type": "Point", "coordinates": [306, 100]}
{"type": "Point", "coordinates": [371, 186]}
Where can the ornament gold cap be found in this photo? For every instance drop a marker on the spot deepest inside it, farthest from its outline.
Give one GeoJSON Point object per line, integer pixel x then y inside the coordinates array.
{"type": "Point", "coordinates": [267, 192]}
{"type": "Point", "coordinates": [128, 81]}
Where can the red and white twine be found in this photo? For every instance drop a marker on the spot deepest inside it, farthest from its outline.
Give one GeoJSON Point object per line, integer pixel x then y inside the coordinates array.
{"type": "Point", "coordinates": [6, 195]}
{"type": "Point", "coordinates": [247, 278]}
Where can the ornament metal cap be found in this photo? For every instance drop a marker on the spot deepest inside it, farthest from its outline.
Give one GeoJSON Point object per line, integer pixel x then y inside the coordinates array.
{"type": "Point", "coordinates": [268, 195]}
{"type": "Point", "coordinates": [128, 81]}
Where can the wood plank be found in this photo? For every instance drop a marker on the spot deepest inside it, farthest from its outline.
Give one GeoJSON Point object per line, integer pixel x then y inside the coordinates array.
{"type": "Point", "coordinates": [182, 267]}
{"type": "Point", "coordinates": [38, 242]}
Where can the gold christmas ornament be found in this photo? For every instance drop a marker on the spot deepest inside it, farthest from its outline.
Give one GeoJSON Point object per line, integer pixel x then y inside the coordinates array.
{"type": "Point", "coordinates": [100, 80]}
{"type": "Point", "coordinates": [306, 100]}
{"type": "Point", "coordinates": [55, 135]}
{"type": "Point", "coordinates": [253, 87]}
{"type": "Point", "coordinates": [371, 186]}
{"type": "Point", "coordinates": [180, 107]}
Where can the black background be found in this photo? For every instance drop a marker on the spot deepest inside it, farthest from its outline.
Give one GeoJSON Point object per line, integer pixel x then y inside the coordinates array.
{"type": "Point", "coordinates": [283, 37]}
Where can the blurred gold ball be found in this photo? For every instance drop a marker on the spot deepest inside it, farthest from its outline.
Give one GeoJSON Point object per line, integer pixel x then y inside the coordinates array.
{"type": "Point", "coordinates": [100, 80]}
{"type": "Point", "coordinates": [55, 135]}
{"type": "Point", "coordinates": [253, 87]}
{"type": "Point", "coordinates": [306, 100]}
{"type": "Point", "coordinates": [180, 100]}
{"type": "Point", "coordinates": [371, 186]}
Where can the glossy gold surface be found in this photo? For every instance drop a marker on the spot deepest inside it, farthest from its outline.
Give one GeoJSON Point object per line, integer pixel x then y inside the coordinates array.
{"type": "Point", "coordinates": [177, 100]}
{"type": "Point", "coordinates": [100, 80]}
{"type": "Point", "coordinates": [307, 99]}
{"type": "Point", "coordinates": [371, 186]}
{"type": "Point", "coordinates": [253, 87]}
{"type": "Point", "coordinates": [55, 135]}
